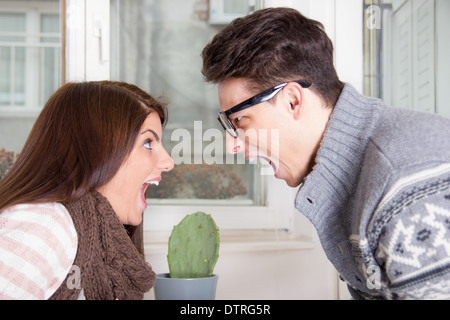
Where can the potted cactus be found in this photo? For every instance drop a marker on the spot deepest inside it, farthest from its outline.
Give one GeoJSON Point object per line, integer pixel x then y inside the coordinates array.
{"type": "Point", "coordinates": [192, 256]}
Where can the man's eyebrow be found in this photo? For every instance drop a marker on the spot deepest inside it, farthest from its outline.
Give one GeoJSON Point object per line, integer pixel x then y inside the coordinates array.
{"type": "Point", "coordinates": [154, 134]}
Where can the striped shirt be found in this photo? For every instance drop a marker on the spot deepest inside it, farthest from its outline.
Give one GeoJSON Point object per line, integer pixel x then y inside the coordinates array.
{"type": "Point", "coordinates": [38, 244]}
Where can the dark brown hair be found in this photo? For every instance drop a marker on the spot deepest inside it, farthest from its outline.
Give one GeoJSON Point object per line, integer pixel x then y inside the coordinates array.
{"type": "Point", "coordinates": [78, 143]}
{"type": "Point", "coordinates": [271, 46]}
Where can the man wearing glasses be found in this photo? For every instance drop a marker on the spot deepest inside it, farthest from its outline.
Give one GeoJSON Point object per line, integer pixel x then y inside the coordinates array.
{"type": "Point", "coordinates": [373, 180]}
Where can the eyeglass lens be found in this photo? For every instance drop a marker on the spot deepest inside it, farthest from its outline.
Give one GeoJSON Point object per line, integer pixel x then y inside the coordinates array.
{"type": "Point", "coordinates": [227, 125]}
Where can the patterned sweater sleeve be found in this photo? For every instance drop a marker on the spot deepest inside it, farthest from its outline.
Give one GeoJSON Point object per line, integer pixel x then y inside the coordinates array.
{"type": "Point", "coordinates": [38, 244]}
{"type": "Point", "coordinates": [413, 241]}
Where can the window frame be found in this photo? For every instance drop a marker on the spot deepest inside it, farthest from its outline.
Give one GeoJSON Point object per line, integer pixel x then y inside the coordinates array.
{"type": "Point", "coordinates": [340, 19]}
{"type": "Point", "coordinates": [278, 209]}
{"type": "Point", "coordinates": [32, 16]}
{"type": "Point", "coordinates": [277, 212]}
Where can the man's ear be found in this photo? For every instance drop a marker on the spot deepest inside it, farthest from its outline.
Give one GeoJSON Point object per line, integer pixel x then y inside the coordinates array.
{"type": "Point", "coordinates": [295, 96]}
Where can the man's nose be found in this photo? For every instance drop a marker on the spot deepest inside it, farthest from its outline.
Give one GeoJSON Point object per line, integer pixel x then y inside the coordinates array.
{"type": "Point", "coordinates": [233, 145]}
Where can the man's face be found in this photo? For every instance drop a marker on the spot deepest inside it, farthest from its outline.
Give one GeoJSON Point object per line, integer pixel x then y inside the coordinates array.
{"type": "Point", "coordinates": [269, 130]}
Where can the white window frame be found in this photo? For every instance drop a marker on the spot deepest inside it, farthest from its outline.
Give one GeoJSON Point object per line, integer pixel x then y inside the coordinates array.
{"type": "Point", "coordinates": [30, 109]}
{"type": "Point", "coordinates": [87, 40]}
{"type": "Point", "coordinates": [424, 52]}
{"type": "Point", "coordinates": [83, 17]}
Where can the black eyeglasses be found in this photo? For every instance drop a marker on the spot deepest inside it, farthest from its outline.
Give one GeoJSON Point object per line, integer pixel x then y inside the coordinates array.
{"type": "Point", "coordinates": [260, 97]}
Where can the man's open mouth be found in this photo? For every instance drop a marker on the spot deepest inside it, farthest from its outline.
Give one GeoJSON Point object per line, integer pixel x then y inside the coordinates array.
{"type": "Point", "coordinates": [267, 163]}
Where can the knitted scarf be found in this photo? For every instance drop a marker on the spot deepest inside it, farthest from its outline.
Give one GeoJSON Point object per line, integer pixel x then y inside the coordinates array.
{"type": "Point", "coordinates": [110, 265]}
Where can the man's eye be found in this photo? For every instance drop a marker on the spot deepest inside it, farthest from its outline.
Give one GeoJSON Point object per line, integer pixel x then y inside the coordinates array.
{"type": "Point", "coordinates": [236, 120]}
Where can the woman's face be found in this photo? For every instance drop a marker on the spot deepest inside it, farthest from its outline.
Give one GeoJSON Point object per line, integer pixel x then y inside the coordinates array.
{"type": "Point", "coordinates": [147, 160]}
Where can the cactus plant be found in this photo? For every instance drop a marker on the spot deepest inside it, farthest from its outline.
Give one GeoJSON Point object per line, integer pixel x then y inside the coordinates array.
{"type": "Point", "coordinates": [193, 247]}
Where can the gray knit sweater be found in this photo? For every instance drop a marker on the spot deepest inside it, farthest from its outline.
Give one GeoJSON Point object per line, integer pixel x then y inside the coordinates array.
{"type": "Point", "coordinates": [379, 197]}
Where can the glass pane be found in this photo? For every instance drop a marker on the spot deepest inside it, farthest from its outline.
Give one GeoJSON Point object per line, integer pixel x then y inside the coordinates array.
{"type": "Point", "coordinates": [12, 23]}
{"type": "Point", "coordinates": [404, 55]}
{"type": "Point", "coordinates": [236, 6]}
{"type": "Point", "coordinates": [50, 75]}
{"type": "Point", "coordinates": [161, 54]}
{"type": "Point", "coordinates": [30, 65]}
{"type": "Point", "coordinates": [12, 59]}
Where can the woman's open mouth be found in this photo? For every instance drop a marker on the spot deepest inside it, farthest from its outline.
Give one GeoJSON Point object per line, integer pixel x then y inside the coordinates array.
{"type": "Point", "coordinates": [144, 189]}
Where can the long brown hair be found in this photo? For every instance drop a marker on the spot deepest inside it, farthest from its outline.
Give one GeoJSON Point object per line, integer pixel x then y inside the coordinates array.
{"type": "Point", "coordinates": [78, 143]}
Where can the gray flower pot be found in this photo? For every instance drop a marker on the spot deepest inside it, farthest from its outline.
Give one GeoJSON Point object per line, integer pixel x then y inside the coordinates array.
{"type": "Point", "coordinates": [167, 288]}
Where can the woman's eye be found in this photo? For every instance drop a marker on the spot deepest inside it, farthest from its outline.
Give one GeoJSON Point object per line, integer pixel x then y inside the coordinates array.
{"type": "Point", "coordinates": [147, 144]}
{"type": "Point", "coordinates": [239, 118]}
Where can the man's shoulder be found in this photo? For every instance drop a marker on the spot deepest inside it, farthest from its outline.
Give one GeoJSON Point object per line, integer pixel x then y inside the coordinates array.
{"type": "Point", "coordinates": [400, 130]}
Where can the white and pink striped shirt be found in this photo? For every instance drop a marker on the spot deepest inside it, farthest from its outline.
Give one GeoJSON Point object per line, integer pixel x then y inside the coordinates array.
{"type": "Point", "coordinates": [38, 244]}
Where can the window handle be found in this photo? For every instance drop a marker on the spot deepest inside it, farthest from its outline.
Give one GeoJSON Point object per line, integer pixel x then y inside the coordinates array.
{"type": "Point", "coordinates": [100, 31]}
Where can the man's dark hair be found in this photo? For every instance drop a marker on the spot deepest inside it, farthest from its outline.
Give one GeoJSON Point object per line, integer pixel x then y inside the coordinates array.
{"type": "Point", "coordinates": [271, 46]}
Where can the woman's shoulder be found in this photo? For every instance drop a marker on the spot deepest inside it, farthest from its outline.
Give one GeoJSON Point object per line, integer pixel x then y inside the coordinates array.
{"type": "Point", "coordinates": [38, 244]}
{"type": "Point", "coordinates": [52, 213]}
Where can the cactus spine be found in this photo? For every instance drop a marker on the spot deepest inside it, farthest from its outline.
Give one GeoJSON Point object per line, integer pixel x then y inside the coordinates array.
{"type": "Point", "coordinates": [193, 247]}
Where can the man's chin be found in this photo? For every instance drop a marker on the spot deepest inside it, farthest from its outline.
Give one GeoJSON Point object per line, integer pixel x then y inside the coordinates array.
{"type": "Point", "coordinates": [293, 183]}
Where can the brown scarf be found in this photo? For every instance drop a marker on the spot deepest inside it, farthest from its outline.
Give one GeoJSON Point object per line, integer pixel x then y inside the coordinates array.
{"type": "Point", "coordinates": [110, 265]}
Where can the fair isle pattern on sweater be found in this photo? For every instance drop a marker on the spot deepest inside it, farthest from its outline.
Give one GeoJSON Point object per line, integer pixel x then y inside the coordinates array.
{"type": "Point", "coordinates": [410, 234]}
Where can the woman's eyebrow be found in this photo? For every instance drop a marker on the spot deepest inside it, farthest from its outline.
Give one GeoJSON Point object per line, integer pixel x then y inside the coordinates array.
{"type": "Point", "coordinates": [154, 134]}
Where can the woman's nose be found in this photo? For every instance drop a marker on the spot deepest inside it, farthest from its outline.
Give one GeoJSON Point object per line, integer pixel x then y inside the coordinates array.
{"type": "Point", "coordinates": [166, 163]}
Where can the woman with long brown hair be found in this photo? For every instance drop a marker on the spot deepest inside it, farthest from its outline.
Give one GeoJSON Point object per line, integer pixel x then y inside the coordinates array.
{"type": "Point", "coordinates": [71, 206]}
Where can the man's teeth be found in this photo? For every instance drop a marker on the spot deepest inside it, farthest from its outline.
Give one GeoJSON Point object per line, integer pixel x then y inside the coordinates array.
{"type": "Point", "coordinates": [156, 183]}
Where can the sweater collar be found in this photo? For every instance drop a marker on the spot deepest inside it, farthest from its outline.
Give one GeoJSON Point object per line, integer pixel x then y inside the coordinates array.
{"type": "Point", "coordinates": [339, 159]}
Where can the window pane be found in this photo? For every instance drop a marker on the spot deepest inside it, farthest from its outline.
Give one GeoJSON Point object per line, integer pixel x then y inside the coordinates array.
{"type": "Point", "coordinates": [30, 59]}
{"type": "Point", "coordinates": [50, 73]}
{"type": "Point", "coordinates": [157, 45]}
{"type": "Point", "coordinates": [12, 59]}
{"type": "Point", "coordinates": [403, 51]}
{"type": "Point", "coordinates": [236, 6]}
